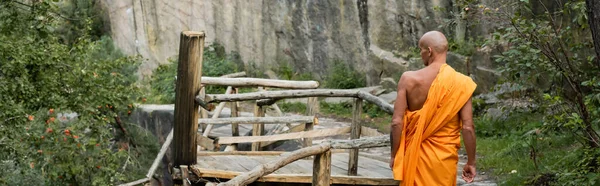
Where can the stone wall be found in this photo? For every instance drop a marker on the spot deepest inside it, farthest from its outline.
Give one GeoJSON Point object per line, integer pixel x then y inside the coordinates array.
{"type": "Point", "coordinates": [306, 34]}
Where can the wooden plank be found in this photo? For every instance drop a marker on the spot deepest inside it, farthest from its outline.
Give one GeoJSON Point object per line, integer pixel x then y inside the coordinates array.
{"type": "Point", "coordinates": [242, 153]}
{"type": "Point", "coordinates": [295, 135]}
{"type": "Point", "coordinates": [296, 128]}
{"type": "Point", "coordinates": [322, 169]}
{"type": "Point", "coordinates": [235, 129]}
{"type": "Point", "coordinates": [213, 98]}
{"type": "Point", "coordinates": [205, 142]}
{"type": "Point", "coordinates": [355, 134]}
{"type": "Point", "coordinates": [268, 168]}
{"type": "Point", "coordinates": [185, 175]}
{"type": "Point", "coordinates": [217, 112]}
{"type": "Point", "coordinates": [189, 72]}
{"type": "Point", "coordinates": [370, 142]}
{"type": "Point", "coordinates": [259, 120]}
{"type": "Point", "coordinates": [259, 82]}
{"type": "Point", "coordinates": [257, 128]}
{"type": "Point", "coordinates": [296, 178]}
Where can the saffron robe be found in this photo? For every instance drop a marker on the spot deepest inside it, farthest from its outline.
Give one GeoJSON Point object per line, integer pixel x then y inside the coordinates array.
{"type": "Point", "coordinates": [428, 153]}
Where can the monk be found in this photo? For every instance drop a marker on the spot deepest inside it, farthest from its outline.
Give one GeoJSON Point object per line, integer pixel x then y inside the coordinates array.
{"type": "Point", "coordinates": [432, 107]}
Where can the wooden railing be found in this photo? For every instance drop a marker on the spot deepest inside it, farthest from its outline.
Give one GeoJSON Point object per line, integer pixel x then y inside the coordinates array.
{"type": "Point", "coordinates": [321, 163]}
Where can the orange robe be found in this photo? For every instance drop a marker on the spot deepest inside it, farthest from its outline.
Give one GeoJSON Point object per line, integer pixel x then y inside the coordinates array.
{"type": "Point", "coordinates": [428, 153]}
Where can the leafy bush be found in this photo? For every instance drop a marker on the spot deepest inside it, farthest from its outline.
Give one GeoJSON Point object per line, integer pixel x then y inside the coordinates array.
{"type": "Point", "coordinates": [214, 64]}
{"type": "Point", "coordinates": [343, 76]}
{"type": "Point", "coordinates": [42, 80]}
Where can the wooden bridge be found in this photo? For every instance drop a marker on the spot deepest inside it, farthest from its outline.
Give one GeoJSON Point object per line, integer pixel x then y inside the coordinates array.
{"type": "Point", "coordinates": [196, 155]}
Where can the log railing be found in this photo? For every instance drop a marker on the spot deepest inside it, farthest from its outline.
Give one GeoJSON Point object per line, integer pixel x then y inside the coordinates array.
{"type": "Point", "coordinates": [321, 163]}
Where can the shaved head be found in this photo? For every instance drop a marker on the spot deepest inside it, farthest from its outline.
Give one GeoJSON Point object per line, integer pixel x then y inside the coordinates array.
{"type": "Point", "coordinates": [434, 46]}
{"type": "Point", "coordinates": [434, 39]}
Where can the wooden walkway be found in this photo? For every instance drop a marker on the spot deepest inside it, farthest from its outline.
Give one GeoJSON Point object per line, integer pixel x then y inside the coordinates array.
{"type": "Point", "coordinates": [226, 165]}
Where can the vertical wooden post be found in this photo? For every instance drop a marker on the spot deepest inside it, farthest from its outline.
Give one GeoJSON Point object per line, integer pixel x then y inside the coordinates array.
{"type": "Point", "coordinates": [312, 108]}
{"type": "Point", "coordinates": [189, 72]}
{"type": "Point", "coordinates": [322, 169]}
{"type": "Point", "coordinates": [258, 129]}
{"type": "Point", "coordinates": [235, 129]}
{"type": "Point", "coordinates": [355, 134]}
{"type": "Point", "coordinates": [203, 112]}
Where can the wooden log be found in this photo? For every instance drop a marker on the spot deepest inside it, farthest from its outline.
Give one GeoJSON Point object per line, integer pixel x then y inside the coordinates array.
{"type": "Point", "coordinates": [235, 129]}
{"type": "Point", "coordinates": [261, 120]}
{"type": "Point", "coordinates": [266, 102]}
{"type": "Point", "coordinates": [189, 72]}
{"type": "Point", "coordinates": [264, 169]}
{"type": "Point", "coordinates": [388, 108]}
{"type": "Point", "coordinates": [257, 128]}
{"type": "Point", "coordinates": [205, 142]}
{"type": "Point", "coordinates": [160, 154]}
{"type": "Point", "coordinates": [312, 108]}
{"type": "Point", "coordinates": [280, 94]}
{"type": "Point", "coordinates": [258, 82]}
{"type": "Point", "coordinates": [232, 75]}
{"type": "Point", "coordinates": [322, 169]}
{"type": "Point", "coordinates": [241, 153]}
{"type": "Point", "coordinates": [277, 137]}
{"type": "Point", "coordinates": [297, 128]}
{"type": "Point", "coordinates": [185, 174]}
{"type": "Point", "coordinates": [355, 134]}
{"type": "Point", "coordinates": [217, 113]}
{"type": "Point", "coordinates": [370, 142]}
{"type": "Point", "coordinates": [367, 132]}
{"type": "Point", "coordinates": [203, 112]}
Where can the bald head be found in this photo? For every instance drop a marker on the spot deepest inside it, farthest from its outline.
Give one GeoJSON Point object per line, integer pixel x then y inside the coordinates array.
{"type": "Point", "coordinates": [434, 40]}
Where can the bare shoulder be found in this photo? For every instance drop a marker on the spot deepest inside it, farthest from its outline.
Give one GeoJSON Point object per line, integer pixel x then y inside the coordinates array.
{"type": "Point", "coordinates": [408, 79]}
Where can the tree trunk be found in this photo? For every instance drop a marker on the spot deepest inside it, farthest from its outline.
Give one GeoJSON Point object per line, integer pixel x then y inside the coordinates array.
{"type": "Point", "coordinates": [593, 8]}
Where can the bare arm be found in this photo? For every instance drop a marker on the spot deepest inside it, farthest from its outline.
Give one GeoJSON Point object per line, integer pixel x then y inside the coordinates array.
{"type": "Point", "coordinates": [468, 133]}
{"type": "Point", "coordinates": [400, 106]}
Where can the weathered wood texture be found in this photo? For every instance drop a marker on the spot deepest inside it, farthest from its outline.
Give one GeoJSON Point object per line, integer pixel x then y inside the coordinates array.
{"type": "Point", "coordinates": [233, 75]}
{"type": "Point", "coordinates": [312, 108]}
{"type": "Point", "coordinates": [257, 128]}
{"type": "Point", "coordinates": [185, 174]}
{"type": "Point", "coordinates": [297, 128]}
{"type": "Point", "coordinates": [355, 134]}
{"type": "Point", "coordinates": [261, 120]}
{"type": "Point", "coordinates": [370, 142]}
{"type": "Point", "coordinates": [388, 108]}
{"type": "Point", "coordinates": [277, 137]}
{"type": "Point", "coordinates": [322, 169]}
{"type": "Point", "coordinates": [249, 177]}
{"type": "Point", "coordinates": [235, 129]}
{"type": "Point", "coordinates": [246, 82]}
{"type": "Point", "coordinates": [205, 142]}
{"type": "Point", "coordinates": [217, 112]}
{"type": "Point", "coordinates": [189, 72]}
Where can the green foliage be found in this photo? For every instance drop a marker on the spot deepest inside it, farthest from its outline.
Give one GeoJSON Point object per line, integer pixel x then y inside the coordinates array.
{"type": "Point", "coordinates": [287, 72]}
{"type": "Point", "coordinates": [42, 79]}
{"type": "Point", "coordinates": [295, 107]}
{"type": "Point", "coordinates": [466, 48]}
{"type": "Point", "coordinates": [343, 76]}
{"type": "Point", "coordinates": [214, 64]}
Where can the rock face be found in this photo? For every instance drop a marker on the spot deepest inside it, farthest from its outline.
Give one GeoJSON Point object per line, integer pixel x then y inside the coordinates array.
{"type": "Point", "coordinates": [309, 35]}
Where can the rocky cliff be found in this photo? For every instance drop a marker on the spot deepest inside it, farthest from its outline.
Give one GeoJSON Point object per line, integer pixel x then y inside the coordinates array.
{"type": "Point", "coordinates": [309, 35]}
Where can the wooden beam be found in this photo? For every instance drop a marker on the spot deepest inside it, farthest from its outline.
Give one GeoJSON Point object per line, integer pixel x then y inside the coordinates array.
{"type": "Point", "coordinates": [258, 82]}
{"type": "Point", "coordinates": [388, 108]}
{"type": "Point", "coordinates": [295, 135]}
{"type": "Point", "coordinates": [297, 128]}
{"type": "Point", "coordinates": [185, 174]}
{"type": "Point", "coordinates": [217, 113]}
{"type": "Point", "coordinates": [322, 169]}
{"type": "Point", "coordinates": [241, 153]}
{"type": "Point", "coordinates": [280, 94]}
{"type": "Point", "coordinates": [235, 129]}
{"type": "Point", "coordinates": [295, 178]}
{"type": "Point", "coordinates": [312, 108]}
{"type": "Point", "coordinates": [367, 132]}
{"type": "Point", "coordinates": [261, 120]}
{"type": "Point", "coordinates": [189, 72]}
{"type": "Point", "coordinates": [257, 128]}
{"type": "Point", "coordinates": [355, 134]}
{"type": "Point", "coordinates": [370, 142]}
{"type": "Point", "coordinates": [205, 142]}
{"type": "Point", "coordinates": [272, 166]}
{"type": "Point", "coordinates": [233, 75]}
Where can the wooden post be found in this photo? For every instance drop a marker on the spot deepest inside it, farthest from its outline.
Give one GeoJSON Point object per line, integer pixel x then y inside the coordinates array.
{"type": "Point", "coordinates": [312, 108]}
{"type": "Point", "coordinates": [235, 129]}
{"type": "Point", "coordinates": [189, 72]}
{"type": "Point", "coordinates": [355, 134]}
{"type": "Point", "coordinates": [322, 169]}
{"type": "Point", "coordinates": [257, 129]}
{"type": "Point", "coordinates": [203, 112]}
